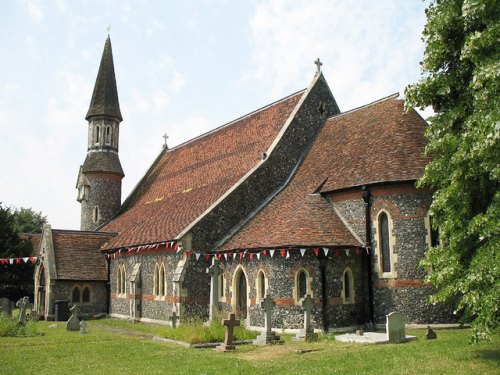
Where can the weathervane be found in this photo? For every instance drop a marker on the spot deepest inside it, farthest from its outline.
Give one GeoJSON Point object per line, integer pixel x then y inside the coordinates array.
{"type": "Point", "coordinates": [109, 29]}
{"type": "Point", "coordinates": [318, 64]}
{"type": "Point", "coordinates": [165, 136]}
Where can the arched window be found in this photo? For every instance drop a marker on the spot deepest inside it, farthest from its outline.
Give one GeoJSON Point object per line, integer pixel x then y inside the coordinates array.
{"type": "Point", "coordinates": [348, 286]}
{"type": "Point", "coordinates": [220, 285]}
{"type": "Point", "coordinates": [96, 214]}
{"type": "Point", "coordinates": [75, 295]}
{"type": "Point", "coordinates": [385, 248]}
{"type": "Point", "coordinates": [97, 134]}
{"type": "Point", "coordinates": [108, 135]}
{"type": "Point", "coordinates": [162, 280]}
{"type": "Point", "coordinates": [261, 286]}
{"type": "Point", "coordinates": [159, 284]}
{"type": "Point", "coordinates": [121, 281]}
{"type": "Point", "coordinates": [86, 295]}
{"type": "Point", "coordinates": [302, 285]}
{"type": "Point", "coordinates": [386, 257]}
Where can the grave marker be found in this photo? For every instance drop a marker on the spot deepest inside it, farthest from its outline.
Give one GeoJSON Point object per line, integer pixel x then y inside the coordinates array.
{"type": "Point", "coordinates": [23, 304]}
{"type": "Point", "coordinates": [6, 306]}
{"type": "Point", "coordinates": [395, 327]}
{"type": "Point", "coordinates": [83, 327]}
{"type": "Point", "coordinates": [174, 319]}
{"type": "Point", "coordinates": [306, 334]}
{"type": "Point", "coordinates": [268, 336]}
{"type": "Point", "coordinates": [73, 324]}
{"type": "Point", "coordinates": [230, 323]}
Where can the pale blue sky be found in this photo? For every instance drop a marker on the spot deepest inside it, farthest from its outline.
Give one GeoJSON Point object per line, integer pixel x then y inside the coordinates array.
{"type": "Point", "coordinates": [182, 67]}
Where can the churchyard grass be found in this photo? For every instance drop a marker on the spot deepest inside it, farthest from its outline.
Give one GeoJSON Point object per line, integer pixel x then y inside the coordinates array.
{"type": "Point", "coordinates": [103, 352]}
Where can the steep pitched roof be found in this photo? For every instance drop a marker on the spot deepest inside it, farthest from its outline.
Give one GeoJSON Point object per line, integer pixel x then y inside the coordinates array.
{"type": "Point", "coordinates": [77, 255]}
{"type": "Point", "coordinates": [186, 180]}
{"type": "Point", "coordinates": [105, 96]}
{"type": "Point", "coordinates": [376, 143]}
{"type": "Point", "coordinates": [102, 162]}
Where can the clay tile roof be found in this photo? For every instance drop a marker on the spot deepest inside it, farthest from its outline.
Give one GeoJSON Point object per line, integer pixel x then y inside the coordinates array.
{"type": "Point", "coordinates": [376, 143]}
{"type": "Point", "coordinates": [104, 100]}
{"type": "Point", "coordinates": [77, 255]}
{"type": "Point", "coordinates": [186, 180]}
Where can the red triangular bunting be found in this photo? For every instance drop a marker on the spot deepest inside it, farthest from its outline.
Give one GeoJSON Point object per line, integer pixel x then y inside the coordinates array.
{"type": "Point", "coordinates": [316, 251]}
{"type": "Point", "coordinates": [251, 256]}
{"type": "Point", "coordinates": [188, 253]}
{"type": "Point", "coordinates": [283, 252]}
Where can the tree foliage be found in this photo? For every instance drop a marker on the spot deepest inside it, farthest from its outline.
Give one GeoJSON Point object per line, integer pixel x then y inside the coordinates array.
{"type": "Point", "coordinates": [461, 82]}
{"type": "Point", "coordinates": [17, 278]}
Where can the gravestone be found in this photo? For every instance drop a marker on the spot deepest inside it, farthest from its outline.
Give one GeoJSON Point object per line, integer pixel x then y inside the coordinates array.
{"type": "Point", "coordinates": [73, 324]}
{"type": "Point", "coordinates": [6, 306]}
{"type": "Point", "coordinates": [83, 327]}
{"type": "Point", "coordinates": [23, 304]}
{"type": "Point", "coordinates": [173, 319]}
{"type": "Point", "coordinates": [430, 335]}
{"type": "Point", "coordinates": [230, 323]}
{"type": "Point", "coordinates": [214, 272]}
{"type": "Point", "coordinates": [306, 334]}
{"type": "Point", "coordinates": [395, 327]}
{"type": "Point", "coordinates": [268, 336]}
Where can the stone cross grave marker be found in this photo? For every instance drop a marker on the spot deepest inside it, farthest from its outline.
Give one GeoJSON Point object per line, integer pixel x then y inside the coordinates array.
{"type": "Point", "coordinates": [6, 306]}
{"type": "Point", "coordinates": [83, 327]}
{"type": "Point", "coordinates": [174, 319]}
{"type": "Point", "coordinates": [395, 327]}
{"type": "Point", "coordinates": [230, 323]}
{"type": "Point", "coordinates": [214, 272]}
{"type": "Point", "coordinates": [73, 324]}
{"type": "Point", "coordinates": [268, 336]}
{"type": "Point", "coordinates": [306, 334]}
{"type": "Point", "coordinates": [23, 304]}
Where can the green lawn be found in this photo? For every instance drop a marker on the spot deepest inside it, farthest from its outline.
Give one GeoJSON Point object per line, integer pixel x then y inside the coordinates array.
{"type": "Point", "coordinates": [103, 352]}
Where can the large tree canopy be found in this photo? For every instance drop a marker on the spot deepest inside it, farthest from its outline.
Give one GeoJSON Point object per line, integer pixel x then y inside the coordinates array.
{"type": "Point", "coordinates": [461, 82]}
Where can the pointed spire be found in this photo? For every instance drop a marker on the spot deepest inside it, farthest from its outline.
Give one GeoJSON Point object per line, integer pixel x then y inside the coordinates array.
{"type": "Point", "coordinates": [105, 97]}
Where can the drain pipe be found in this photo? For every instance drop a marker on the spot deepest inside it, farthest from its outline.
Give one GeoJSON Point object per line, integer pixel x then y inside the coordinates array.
{"type": "Point", "coordinates": [108, 285]}
{"type": "Point", "coordinates": [368, 244]}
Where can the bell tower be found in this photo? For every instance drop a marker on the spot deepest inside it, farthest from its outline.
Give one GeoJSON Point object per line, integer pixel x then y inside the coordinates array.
{"type": "Point", "coordinates": [100, 178]}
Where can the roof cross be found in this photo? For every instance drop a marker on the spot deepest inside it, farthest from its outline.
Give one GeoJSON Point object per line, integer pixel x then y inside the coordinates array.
{"type": "Point", "coordinates": [318, 64]}
{"type": "Point", "coordinates": [165, 136]}
{"type": "Point", "coordinates": [109, 29]}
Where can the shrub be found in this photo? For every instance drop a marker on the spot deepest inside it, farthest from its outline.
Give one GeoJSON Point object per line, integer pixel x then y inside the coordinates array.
{"type": "Point", "coordinates": [9, 326]}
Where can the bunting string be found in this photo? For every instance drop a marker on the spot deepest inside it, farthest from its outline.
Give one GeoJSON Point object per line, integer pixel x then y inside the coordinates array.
{"type": "Point", "coordinates": [11, 261]}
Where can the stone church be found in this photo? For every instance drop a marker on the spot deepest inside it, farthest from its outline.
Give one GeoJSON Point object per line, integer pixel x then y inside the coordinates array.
{"type": "Point", "coordinates": [296, 198]}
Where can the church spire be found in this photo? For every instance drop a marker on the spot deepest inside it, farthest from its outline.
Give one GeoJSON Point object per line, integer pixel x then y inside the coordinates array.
{"type": "Point", "coordinates": [105, 97]}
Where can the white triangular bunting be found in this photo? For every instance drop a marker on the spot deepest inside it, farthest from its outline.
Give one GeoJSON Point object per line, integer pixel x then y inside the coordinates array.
{"type": "Point", "coordinates": [225, 256]}
{"type": "Point", "coordinates": [325, 250]}
{"type": "Point", "coordinates": [25, 260]}
{"type": "Point", "coordinates": [258, 256]}
{"type": "Point", "coordinates": [197, 255]}
{"type": "Point", "coordinates": [11, 261]}
{"type": "Point", "coordinates": [234, 256]}
{"type": "Point", "coordinates": [302, 252]}
{"type": "Point", "coordinates": [271, 252]}
{"type": "Point", "coordinates": [287, 254]}
{"type": "Point", "coordinates": [346, 252]}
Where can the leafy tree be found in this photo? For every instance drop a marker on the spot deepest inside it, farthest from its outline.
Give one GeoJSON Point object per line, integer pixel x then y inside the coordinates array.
{"type": "Point", "coordinates": [16, 279]}
{"type": "Point", "coordinates": [461, 81]}
{"type": "Point", "coordinates": [28, 221]}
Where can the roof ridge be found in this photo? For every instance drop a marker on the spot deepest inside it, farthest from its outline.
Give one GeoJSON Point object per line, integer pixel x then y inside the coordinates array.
{"type": "Point", "coordinates": [75, 231]}
{"type": "Point", "coordinates": [227, 124]}
{"type": "Point", "coordinates": [385, 98]}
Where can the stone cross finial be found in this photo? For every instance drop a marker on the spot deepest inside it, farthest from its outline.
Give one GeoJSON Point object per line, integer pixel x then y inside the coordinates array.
{"type": "Point", "coordinates": [165, 136]}
{"type": "Point", "coordinates": [318, 64]}
{"type": "Point", "coordinates": [230, 323]}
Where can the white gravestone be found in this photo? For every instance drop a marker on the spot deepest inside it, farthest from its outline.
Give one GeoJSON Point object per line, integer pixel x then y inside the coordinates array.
{"type": "Point", "coordinates": [23, 304]}
{"type": "Point", "coordinates": [395, 327]}
{"type": "Point", "coordinates": [73, 324]}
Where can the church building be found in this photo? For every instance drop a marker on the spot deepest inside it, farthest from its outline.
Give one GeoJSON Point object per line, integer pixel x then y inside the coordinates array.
{"type": "Point", "coordinates": [293, 199]}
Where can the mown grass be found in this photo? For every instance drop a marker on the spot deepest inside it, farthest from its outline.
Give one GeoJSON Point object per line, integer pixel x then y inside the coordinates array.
{"type": "Point", "coordinates": [194, 333]}
{"type": "Point", "coordinates": [102, 352]}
